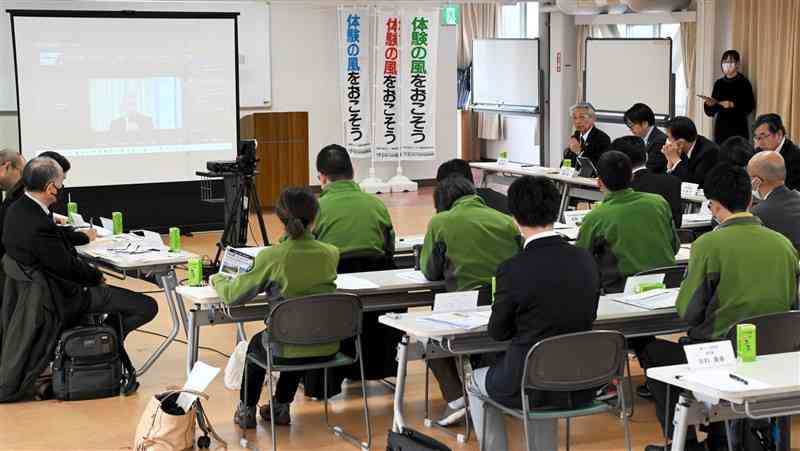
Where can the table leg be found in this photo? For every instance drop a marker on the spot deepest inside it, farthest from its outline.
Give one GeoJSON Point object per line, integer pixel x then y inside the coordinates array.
{"type": "Point", "coordinates": [681, 422]}
{"type": "Point", "coordinates": [192, 341]}
{"type": "Point", "coordinates": [402, 362]}
{"type": "Point", "coordinates": [241, 335]}
{"type": "Point", "coordinates": [176, 325]}
{"type": "Point", "coordinates": [169, 282]}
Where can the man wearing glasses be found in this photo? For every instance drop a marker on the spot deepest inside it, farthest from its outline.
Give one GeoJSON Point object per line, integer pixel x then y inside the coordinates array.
{"type": "Point", "coordinates": [770, 134]}
{"type": "Point", "coordinates": [641, 121]}
{"type": "Point", "coordinates": [587, 141]}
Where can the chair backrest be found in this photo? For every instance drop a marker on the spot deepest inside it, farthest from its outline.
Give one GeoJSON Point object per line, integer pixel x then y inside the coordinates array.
{"type": "Point", "coordinates": [673, 275]}
{"type": "Point", "coordinates": [775, 332]}
{"type": "Point", "coordinates": [686, 236]}
{"type": "Point", "coordinates": [316, 319]}
{"type": "Point", "coordinates": [573, 362]}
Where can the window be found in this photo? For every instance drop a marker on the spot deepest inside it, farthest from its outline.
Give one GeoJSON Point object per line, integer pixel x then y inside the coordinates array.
{"type": "Point", "coordinates": [520, 20]}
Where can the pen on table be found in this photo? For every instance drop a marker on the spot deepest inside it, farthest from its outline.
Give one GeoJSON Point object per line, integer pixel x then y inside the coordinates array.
{"type": "Point", "coordinates": [738, 379]}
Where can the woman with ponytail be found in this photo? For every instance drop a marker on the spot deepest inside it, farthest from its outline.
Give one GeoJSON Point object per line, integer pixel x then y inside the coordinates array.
{"type": "Point", "coordinates": [298, 266]}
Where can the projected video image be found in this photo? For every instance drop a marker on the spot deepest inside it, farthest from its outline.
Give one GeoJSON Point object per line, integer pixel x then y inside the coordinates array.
{"type": "Point", "coordinates": [124, 105]}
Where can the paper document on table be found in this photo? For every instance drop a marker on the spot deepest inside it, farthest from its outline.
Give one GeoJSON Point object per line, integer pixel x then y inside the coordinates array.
{"type": "Point", "coordinates": [107, 223]}
{"type": "Point", "coordinates": [455, 301]}
{"type": "Point", "coordinates": [724, 380]}
{"type": "Point", "coordinates": [348, 282]}
{"type": "Point", "coordinates": [462, 320]}
{"type": "Point", "coordinates": [412, 276]}
{"type": "Point", "coordinates": [199, 379]}
{"type": "Point", "coordinates": [690, 218]}
{"type": "Point", "coordinates": [651, 300]}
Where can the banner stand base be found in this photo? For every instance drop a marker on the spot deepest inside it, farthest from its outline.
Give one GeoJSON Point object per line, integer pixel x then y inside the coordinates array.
{"type": "Point", "coordinates": [374, 185]}
{"type": "Point", "coordinates": [400, 183]}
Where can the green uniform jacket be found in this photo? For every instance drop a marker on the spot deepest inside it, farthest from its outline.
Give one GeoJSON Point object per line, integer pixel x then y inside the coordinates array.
{"type": "Point", "coordinates": [740, 270]}
{"type": "Point", "coordinates": [357, 223]}
{"type": "Point", "coordinates": [628, 233]}
{"type": "Point", "coordinates": [465, 245]}
{"type": "Point", "coordinates": [290, 269]}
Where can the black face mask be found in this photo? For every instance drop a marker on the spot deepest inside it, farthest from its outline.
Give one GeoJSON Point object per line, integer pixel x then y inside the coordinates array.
{"type": "Point", "coordinates": [60, 193]}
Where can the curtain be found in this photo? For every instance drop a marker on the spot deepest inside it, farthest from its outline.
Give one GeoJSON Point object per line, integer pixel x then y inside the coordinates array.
{"type": "Point", "coordinates": [583, 32]}
{"type": "Point", "coordinates": [688, 43]}
{"type": "Point", "coordinates": [767, 34]}
{"type": "Point", "coordinates": [479, 21]}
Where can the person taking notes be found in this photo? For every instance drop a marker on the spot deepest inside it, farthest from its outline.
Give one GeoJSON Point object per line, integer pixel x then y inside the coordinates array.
{"type": "Point", "coordinates": [630, 231]}
{"type": "Point", "coordinates": [298, 266]}
{"type": "Point", "coordinates": [534, 300]}
{"type": "Point", "coordinates": [464, 244]}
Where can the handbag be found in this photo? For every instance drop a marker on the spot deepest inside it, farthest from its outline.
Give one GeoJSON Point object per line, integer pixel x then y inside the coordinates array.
{"type": "Point", "coordinates": [411, 440]}
{"type": "Point", "coordinates": [164, 426]}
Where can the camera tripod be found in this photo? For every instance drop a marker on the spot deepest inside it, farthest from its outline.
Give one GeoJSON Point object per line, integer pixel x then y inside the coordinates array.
{"type": "Point", "coordinates": [237, 219]}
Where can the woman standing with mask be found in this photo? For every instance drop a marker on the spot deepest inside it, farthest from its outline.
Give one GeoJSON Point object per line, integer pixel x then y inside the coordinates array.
{"type": "Point", "coordinates": [731, 100]}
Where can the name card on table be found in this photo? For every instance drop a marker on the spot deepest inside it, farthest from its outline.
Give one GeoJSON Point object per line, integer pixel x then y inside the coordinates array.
{"type": "Point", "coordinates": [566, 171]}
{"type": "Point", "coordinates": [455, 301]}
{"type": "Point", "coordinates": [709, 355]}
{"type": "Point", "coordinates": [689, 189]}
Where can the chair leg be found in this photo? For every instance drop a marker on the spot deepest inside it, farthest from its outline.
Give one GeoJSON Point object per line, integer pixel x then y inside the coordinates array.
{"type": "Point", "coordinates": [630, 387]}
{"type": "Point", "coordinates": [482, 439]}
{"type": "Point", "coordinates": [338, 430]}
{"type": "Point", "coordinates": [625, 418]}
{"type": "Point", "coordinates": [364, 395]}
{"type": "Point", "coordinates": [568, 424]}
{"type": "Point", "coordinates": [525, 420]}
{"type": "Point", "coordinates": [667, 419]}
{"type": "Point", "coordinates": [271, 402]}
{"type": "Point", "coordinates": [427, 417]}
{"type": "Point", "coordinates": [463, 373]}
{"type": "Point", "coordinates": [729, 435]}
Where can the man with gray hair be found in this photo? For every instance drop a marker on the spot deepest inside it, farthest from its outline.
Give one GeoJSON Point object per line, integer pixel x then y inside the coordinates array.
{"type": "Point", "coordinates": [587, 140]}
{"type": "Point", "coordinates": [32, 239]}
{"type": "Point", "coordinates": [11, 164]}
{"type": "Point", "coordinates": [779, 208]}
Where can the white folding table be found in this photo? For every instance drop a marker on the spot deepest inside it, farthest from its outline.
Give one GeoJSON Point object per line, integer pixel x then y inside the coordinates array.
{"type": "Point", "coordinates": [157, 265]}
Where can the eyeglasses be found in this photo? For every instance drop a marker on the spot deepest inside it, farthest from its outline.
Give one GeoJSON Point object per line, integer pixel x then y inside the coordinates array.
{"type": "Point", "coordinates": [580, 116]}
{"type": "Point", "coordinates": [762, 136]}
{"type": "Point", "coordinates": [630, 125]}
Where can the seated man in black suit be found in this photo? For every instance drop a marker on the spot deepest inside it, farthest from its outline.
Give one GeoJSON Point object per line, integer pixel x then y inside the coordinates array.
{"type": "Point", "coordinates": [736, 151]}
{"type": "Point", "coordinates": [32, 239]}
{"type": "Point", "coordinates": [646, 181]}
{"type": "Point", "coordinates": [779, 208]}
{"type": "Point", "coordinates": [11, 164]}
{"type": "Point", "coordinates": [689, 156]}
{"type": "Point", "coordinates": [642, 122]}
{"type": "Point", "coordinates": [77, 237]}
{"type": "Point", "coordinates": [493, 199]}
{"type": "Point", "coordinates": [770, 134]}
{"type": "Point", "coordinates": [587, 141]}
{"type": "Point", "coordinates": [535, 299]}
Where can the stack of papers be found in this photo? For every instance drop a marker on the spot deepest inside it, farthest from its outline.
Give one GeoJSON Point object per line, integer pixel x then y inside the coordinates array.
{"type": "Point", "coordinates": [348, 282]}
{"type": "Point", "coordinates": [460, 320]}
{"type": "Point", "coordinates": [651, 300]}
{"type": "Point", "coordinates": [690, 218]}
{"type": "Point", "coordinates": [724, 380]}
{"type": "Point", "coordinates": [412, 276]}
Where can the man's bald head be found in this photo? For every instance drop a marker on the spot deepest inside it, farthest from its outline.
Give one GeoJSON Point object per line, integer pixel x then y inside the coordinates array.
{"type": "Point", "coordinates": [769, 167]}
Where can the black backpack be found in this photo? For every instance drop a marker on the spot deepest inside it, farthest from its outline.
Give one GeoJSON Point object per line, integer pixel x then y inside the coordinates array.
{"type": "Point", "coordinates": [411, 440]}
{"type": "Point", "coordinates": [87, 364]}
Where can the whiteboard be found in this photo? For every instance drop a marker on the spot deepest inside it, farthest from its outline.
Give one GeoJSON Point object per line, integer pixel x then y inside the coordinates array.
{"type": "Point", "coordinates": [254, 40]}
{"type": "Point", "coordinates": [621, 72]}
{"type": "Point", "coordinates": [505, 73]}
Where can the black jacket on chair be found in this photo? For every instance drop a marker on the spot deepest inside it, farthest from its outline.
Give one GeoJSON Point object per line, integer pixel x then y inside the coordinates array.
{"type": "Point", "coordinates": [667, 186]}
{"type": "Point", "coordinates": [781, 213]}
{"type": "Point", "coordinates": [656, 161]}
{"type": "Point", "coordinates": [791, 157]}
{"type": "Point", "coordinates": [536, 299]}
{"type": "Point", "coordinates": [704, 158]}
{"type": "Point", "coordinates": [33, 240]}
{"type": "Point", "coordinates": [29, 329]}
{"type": "Point", "coordinates": [597, 142]}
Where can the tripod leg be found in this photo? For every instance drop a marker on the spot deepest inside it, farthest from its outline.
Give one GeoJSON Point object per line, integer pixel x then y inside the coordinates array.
{"type": "Point", "coordinates": [255, 203]}
{"type": "Point", "coordinates": [228, 237]}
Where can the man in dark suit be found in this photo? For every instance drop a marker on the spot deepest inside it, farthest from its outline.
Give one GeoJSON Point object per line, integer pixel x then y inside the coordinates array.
{"type": "Point", "coordinates": [32, 239]}
{"type": "Point", "coordinates": [131, 120]}
{"type": "Point", "coordinates": [587, 141]}
{"type": "Point", "coordinates": [689, 156]}
{"type": "Point", "coordinates": [535, 299]}
{"type": "Point", "coordinates": [493, 199]}
{"type": "Point", "coordinates": [642, 122]}
{"type": "Point", "coordinates": [646, 181]}
{"type": "Point", "coordinates": [779, 208]}
{"type": "Point", "coordinates": [770, 134]}
{"type": "Point", "coordinates": [11, 164]}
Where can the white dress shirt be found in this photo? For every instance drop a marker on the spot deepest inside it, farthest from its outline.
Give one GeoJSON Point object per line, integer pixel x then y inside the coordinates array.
{"type": "Point", "coordinates": [39, 203]}
{"type": "Point", "coordinates": [540, 235]}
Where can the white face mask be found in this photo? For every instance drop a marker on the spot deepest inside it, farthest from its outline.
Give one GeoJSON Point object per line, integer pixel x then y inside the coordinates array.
{"type": "Point", "coordinates": [755, 183]}
{"type": "Point", "coordinates": [728, 67]}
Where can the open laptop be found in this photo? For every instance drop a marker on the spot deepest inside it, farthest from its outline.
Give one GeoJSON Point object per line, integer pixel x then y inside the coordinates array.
{"type": "Point", "coordinates": [587, 168]}
{"type": "Point", "coordinates": [235, 262]}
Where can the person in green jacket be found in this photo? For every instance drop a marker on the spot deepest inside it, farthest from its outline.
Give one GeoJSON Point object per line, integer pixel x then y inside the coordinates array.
{"type": "Point", "coordinates": [740, 270]}
{"type": "Point", "coordinates": [465, 243]}
{"type": "Point", "coordinates": [298, 266]}
{"type": "Point", "coordinates": [357, 223]}
{"type": "Point", "coordinates": [630, 231]}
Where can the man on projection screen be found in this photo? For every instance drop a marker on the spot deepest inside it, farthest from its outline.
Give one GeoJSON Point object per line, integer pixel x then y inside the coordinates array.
{"type": "Point", "coordinates": [131, 120]}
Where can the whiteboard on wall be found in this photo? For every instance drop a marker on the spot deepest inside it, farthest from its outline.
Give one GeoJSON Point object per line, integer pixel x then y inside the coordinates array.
{"type": "Point", "coordinates": [621, 72]}
{"type": "Point", "coordinates": [505, 74]}
{"type": "Point", "coordinates": [253, 38]}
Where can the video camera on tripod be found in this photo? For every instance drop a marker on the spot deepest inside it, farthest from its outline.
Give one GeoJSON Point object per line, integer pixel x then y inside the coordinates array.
{"type": "Point", "coordinates": [244, 164]}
